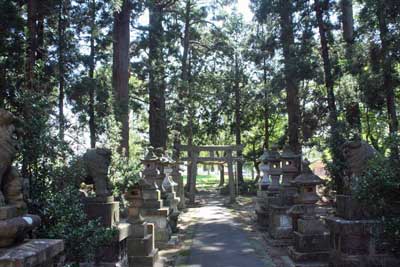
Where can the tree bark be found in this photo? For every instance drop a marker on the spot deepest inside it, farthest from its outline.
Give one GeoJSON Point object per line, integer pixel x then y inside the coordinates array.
{"type": "Point", "coordinates": [221, 175]}
{"type": "Point", "coordinates": [157, 116]}
{"type": "Point", "coordinates": [266, 106]}
{"type": "Point", "coordinates": [61, 93]}
{"type": "Point", "coordinates": [336, 141]}
{"type": "Point", "coordinates": [347, 20]}
{"type": "Point", "coordinates": [291, 79]}
{"type": "Point", "coordinates": [238, 120]}
{"type": "Point", "coordinates": [388, 70]}
{"type": "Point", "coordinates": [92, 65]}
{"type": "Point", "coordinates": [121, 73]}
{"type": "Point", "coordinates": [32, 44]}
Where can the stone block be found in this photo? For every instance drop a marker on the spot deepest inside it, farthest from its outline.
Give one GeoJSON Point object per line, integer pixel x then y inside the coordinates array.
{"type": "Point", "coordinates": [298, 256]}
{"type": "Point", "coordinates": [140, 246]}
{"type": "Point", "coordinates": [280, 223]}
{"type": "Point", "coordinates": [107, 212]}
{"type": "Point", "coordinates": [32, 253]}
{"type": "Point", "coordinates": [152, 204]}
{"type": "Point", "coordinates": [314, 226]}
{"type": "Point", "coordinates": [288, 262]}
{"type": "Point", "coordinates": [151, 195]}
{"type": "Point", "coordinates": [14, 230]}
{"type": "Point", "coordinates": [311, 243]}
{"type": "Point", "coordinates": [145, 261]}
{"type": "Point", "coordinates": [162, 212]}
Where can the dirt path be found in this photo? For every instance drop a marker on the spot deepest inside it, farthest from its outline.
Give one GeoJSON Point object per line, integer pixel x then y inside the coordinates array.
{"type": "Point", "coordinates": [219, 235]}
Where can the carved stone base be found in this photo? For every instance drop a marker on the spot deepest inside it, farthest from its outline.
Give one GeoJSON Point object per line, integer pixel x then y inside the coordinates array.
{"type": "Point", "coordinates": [358, 243]}
{"type": "Point", "coordinates": [103, 208]}
{"type": "Point", "coordinates": [115, 253]}
{"type": "Point", "coordinates": [32, 253]}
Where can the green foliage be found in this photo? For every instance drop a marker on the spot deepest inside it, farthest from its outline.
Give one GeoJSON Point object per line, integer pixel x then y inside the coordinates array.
{"type": "Point", "coordinates": [64, 218]}
{"type": "Point", "coordinates": [379, 189]}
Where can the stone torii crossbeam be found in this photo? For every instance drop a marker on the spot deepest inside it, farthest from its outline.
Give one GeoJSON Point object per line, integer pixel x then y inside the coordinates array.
{"type": "Point", "coordinates": [194, 158]}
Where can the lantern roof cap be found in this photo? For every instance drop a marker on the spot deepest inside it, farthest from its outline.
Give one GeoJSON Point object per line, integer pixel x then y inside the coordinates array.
{"type": "Point", "coordinates": [307, 177]}
{"type": "Point", "coordinates": [288, 153]}
{"type": "Point", "coordinates": [150, 155]}
{"type": "Point", "coordinates": [274, 153]}
{"type": "Point", "coordinates": [264, 156]}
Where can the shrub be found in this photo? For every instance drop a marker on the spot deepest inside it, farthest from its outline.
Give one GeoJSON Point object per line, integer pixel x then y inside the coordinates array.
{"type": "Point", "coordinates": [379, 189]}
{"type": "Point", "coordinates": [64, 218]}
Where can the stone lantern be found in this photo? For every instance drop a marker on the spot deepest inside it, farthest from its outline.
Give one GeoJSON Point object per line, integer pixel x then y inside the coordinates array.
{"type": "Point", "coordinates": [265, 182]}
{"type": "Point", "coordinates": [151, 171]}
{"type": "Point", "coordinates": [290, 165]}
{"type": "Point", "coordinates": [311, 237]}
{"type": "Point", "coordinates": [275, 171]}
{"type": "Point", "coordinates": [307, 183]}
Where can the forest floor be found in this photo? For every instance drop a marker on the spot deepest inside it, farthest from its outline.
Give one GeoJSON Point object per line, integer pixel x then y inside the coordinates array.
{"type": "Point", "coordinates": [214, 233]}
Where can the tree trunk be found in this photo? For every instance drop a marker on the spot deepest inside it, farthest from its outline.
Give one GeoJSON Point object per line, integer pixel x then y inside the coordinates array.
{"type": "Point", "coordinates": [266, 107]}
{"type": "Point", "coordinates": [221, 175]}
{"type": "Point", "coordinates": [336, 140]}
{"type": "Point", "coordinates": [291, 79]}
{"type": "Point", "coordinates": [92, 65]}
{"type": "Point", "coordinates": [157, 116]}
{"type": "Point", "coordinates": [121, 73]}
{"type": "Point", "coordinates": [32, 44]}
{"type": "Point", "coordinates": [61, 93]}
{"type": "Point", "coordinates": [348, 20]}
{"type": "Point", "coordinates": [238, 120]}
{"type": "Point", "coordinates": [388, 81]}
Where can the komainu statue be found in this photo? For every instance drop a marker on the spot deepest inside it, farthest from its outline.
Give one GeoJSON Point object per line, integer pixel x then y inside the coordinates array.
{"type": "Point", "coordinates": [10, 179]}
{"type": "Point", "coordinates": [356, 153]}
{"type": "Point", "coordinates": [97, 162]}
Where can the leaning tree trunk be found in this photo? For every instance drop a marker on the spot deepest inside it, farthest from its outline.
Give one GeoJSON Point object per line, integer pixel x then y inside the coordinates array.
{"type": "Point", "coordinates": [121, 73]}
{"type": "Point", "coordinates": [157, 116]}
{"type": "Point", "coordinates": [291, 79]}
{"type": "Point", "coordinates": [388, 80]}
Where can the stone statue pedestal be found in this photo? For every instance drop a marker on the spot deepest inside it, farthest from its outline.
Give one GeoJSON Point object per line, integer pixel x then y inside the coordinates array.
{"type": "Point", "coordinates": [103, 208]}
{"type": "Point", "coordinates": [357, 241]}
{"type": "Point", "coordinates": [106, 210]}
{"type": "Point", "coordinates": [115, 253]}
{"type": "Point", "coordinates": [32, 253]}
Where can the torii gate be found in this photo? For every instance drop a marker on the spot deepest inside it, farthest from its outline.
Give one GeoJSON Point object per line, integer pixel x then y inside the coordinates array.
{"type": "Point", "coordinates": [194, 158]}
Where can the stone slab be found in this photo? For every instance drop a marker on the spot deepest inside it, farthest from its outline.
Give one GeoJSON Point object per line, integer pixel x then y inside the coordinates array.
{"type": "Point", "coordinates": [277, 242]}
{"type": "Point", "coordinates": [311, 243]}
{"type": "Point", "coordinates": [288, 262]}
{"type": "Point", "coordinates": [31, 253]}
{"type": "Point", "coordinates": [297, 256]}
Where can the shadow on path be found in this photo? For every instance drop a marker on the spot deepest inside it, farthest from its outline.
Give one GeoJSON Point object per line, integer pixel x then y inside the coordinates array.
{"type": "Point", "coordinates": [219, 239]}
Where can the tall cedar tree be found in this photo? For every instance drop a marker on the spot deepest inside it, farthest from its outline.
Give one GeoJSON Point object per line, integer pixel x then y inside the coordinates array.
{"type": "Point", "coordinates": [121, 72]}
